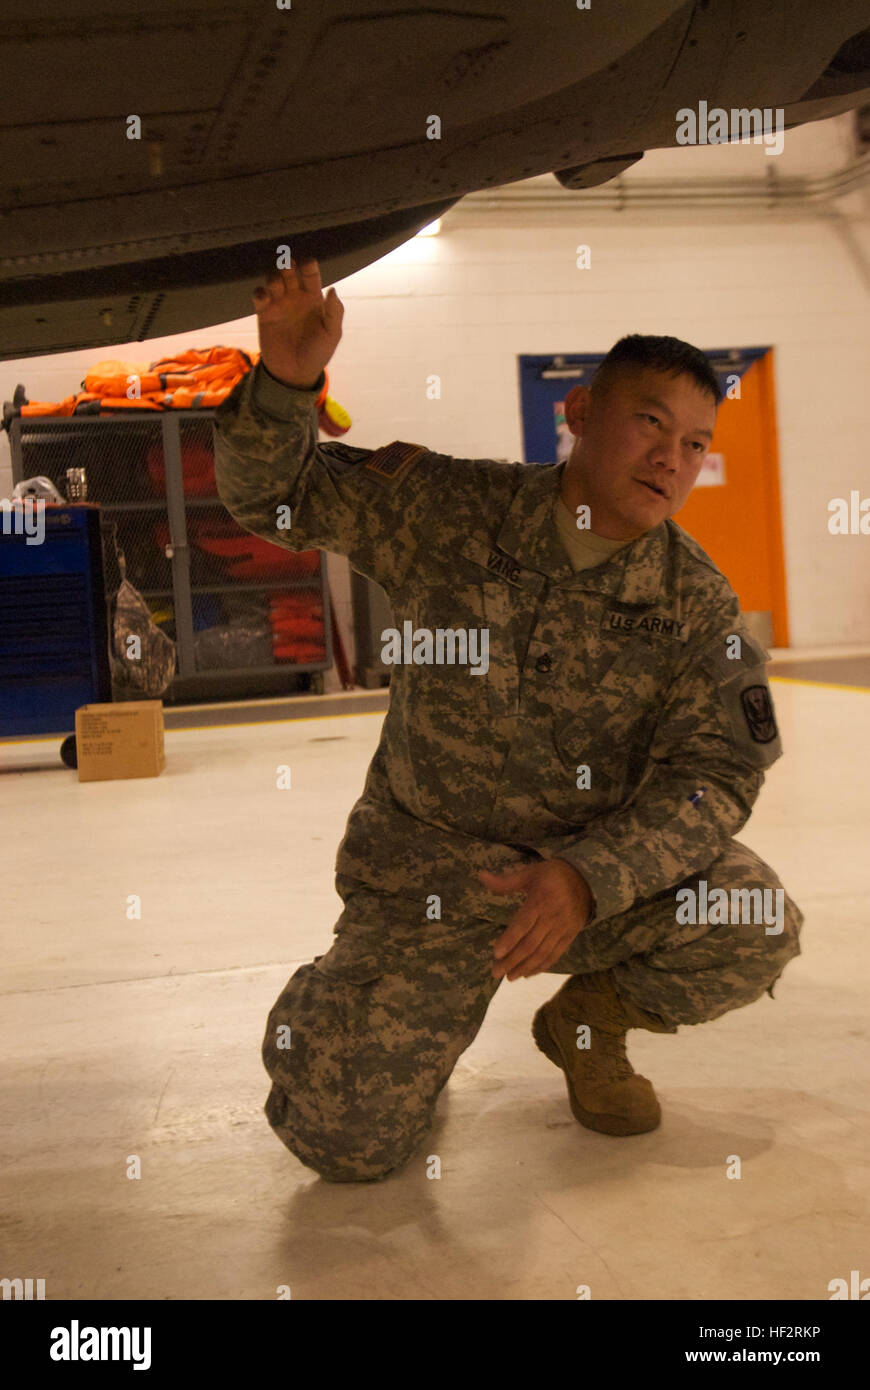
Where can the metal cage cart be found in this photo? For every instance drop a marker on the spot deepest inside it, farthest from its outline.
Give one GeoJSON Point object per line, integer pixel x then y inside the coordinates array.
{"type": "Point", "coordinates": [247, 617]}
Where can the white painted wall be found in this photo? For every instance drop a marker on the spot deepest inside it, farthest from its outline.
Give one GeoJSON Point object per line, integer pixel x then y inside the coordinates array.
{"type": "Point", "coordinates": [464, 305]}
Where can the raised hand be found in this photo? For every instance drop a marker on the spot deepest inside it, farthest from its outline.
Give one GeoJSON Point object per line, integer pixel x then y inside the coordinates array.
{"type": "Point", "coordinates": [299, 326]}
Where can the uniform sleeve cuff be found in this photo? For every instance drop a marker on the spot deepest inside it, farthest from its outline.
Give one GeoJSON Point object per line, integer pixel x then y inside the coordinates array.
{"type": "Point", "coordinates": [280, 401]}
{"type": "Point", "coordinates": [601, 878]}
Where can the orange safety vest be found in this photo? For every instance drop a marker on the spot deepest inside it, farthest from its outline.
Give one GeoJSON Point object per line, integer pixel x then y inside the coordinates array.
{"type": "Point", "coordinates": [198, 379]}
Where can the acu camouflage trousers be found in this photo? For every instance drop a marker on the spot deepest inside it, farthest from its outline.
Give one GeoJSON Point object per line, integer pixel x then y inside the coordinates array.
{"type": "Point", "coordinates": [377, 1024]}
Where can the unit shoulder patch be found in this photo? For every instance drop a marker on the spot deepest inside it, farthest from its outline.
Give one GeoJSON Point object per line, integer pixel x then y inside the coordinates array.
{"type": "Point", "coordinates": [758, 712]}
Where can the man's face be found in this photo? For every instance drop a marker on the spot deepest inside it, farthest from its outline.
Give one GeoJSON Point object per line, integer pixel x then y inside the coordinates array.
{"type": "Point", "coordinates": [640, 445]}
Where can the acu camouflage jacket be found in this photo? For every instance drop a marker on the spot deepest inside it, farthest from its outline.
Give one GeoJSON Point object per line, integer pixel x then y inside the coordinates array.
{"type": "Point", "coordinates": [623, 669]}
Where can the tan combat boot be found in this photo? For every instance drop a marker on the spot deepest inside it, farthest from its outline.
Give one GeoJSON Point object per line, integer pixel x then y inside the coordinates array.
{"type": "Point", "coordinates": [605, 1092]}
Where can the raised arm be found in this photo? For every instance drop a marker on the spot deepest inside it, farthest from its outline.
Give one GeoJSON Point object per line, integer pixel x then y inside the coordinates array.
{"type": "Point", "coordinates": [275, 478]}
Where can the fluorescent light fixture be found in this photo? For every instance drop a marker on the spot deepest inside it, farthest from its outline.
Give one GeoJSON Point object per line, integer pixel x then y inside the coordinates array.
{"type": "Point", "coordinates": [432, 229]}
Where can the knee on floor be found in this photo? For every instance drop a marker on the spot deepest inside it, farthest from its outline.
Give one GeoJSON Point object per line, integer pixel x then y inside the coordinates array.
{"type": "Point", "coordinates": [335, 1148]}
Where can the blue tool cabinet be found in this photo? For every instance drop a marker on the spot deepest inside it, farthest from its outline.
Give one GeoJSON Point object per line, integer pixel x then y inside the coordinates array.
{"type": "Point", "coordinates": [152, 475]}
{"type": "Point", "coordinates": [54, 640]}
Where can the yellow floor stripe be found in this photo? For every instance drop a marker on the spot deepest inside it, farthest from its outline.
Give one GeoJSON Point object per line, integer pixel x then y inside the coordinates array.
{"type": "Point", "coordinates": [821, 685]}
{"type": "Point", "coordinates": [201, 728]}
{"type": "Point", "coordinates": [303, 719]}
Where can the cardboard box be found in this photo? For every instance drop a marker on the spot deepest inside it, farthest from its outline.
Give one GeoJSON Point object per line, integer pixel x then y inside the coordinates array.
{"type": "Point", "coordinates": [120, 740]}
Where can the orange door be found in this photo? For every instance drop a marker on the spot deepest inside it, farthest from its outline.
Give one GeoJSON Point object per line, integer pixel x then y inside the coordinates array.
{"type": "Point", "coordinates": [739, 524]}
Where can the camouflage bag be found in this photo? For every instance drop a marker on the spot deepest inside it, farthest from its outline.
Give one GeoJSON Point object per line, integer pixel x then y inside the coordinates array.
{"type": "Point", "coordinates": [143, 668]}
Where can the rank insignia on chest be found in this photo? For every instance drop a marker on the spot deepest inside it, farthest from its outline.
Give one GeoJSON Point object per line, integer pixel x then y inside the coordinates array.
{"type": "Point", "coordinates": [650, 624]}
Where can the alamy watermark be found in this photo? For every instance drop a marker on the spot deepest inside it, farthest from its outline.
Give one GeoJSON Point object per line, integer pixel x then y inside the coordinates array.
{"type": "Point", "coordinates": [22, 1288]}
{"type": "Point", "coordinates": [446, 646]}
{"type": "Point", "coordinates": [716, 126]}
{"type": "Point", "coordinates": [17, 517]}
{"type": "Point", "coordinates": [76, 1343]}
{"type": "Point", "coordinates": [743, 906]}
{"type": "Point", "coordinates": [850, 518]}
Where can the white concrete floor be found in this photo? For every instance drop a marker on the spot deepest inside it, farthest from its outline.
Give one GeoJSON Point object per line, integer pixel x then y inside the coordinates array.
{"type": "Point", "coordinates": [141, 1037]}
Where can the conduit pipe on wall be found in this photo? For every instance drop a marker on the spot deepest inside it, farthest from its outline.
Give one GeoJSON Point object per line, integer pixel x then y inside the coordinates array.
{"type": "Point", "coordinates": [627, 192]}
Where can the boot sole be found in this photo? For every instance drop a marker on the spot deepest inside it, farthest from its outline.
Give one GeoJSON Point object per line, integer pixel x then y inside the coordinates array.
{"type": "Point", "coordinates": [616, 1125]}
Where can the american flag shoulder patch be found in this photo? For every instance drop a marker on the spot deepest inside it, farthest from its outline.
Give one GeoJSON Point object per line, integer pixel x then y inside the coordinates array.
{"type": "Point", "coordinates": [395, 459]}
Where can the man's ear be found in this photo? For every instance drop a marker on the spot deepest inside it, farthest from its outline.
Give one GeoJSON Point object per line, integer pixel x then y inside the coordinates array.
{"type": "Point", "coordinates": [577, 408]}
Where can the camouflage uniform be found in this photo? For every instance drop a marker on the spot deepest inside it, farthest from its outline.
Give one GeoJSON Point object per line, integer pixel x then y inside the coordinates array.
{"type": "Point", "coordinates": [622, 667]}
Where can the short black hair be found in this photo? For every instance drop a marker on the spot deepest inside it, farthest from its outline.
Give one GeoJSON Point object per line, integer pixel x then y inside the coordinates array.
{"type": "Point", "coordinates": [660, 354]}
